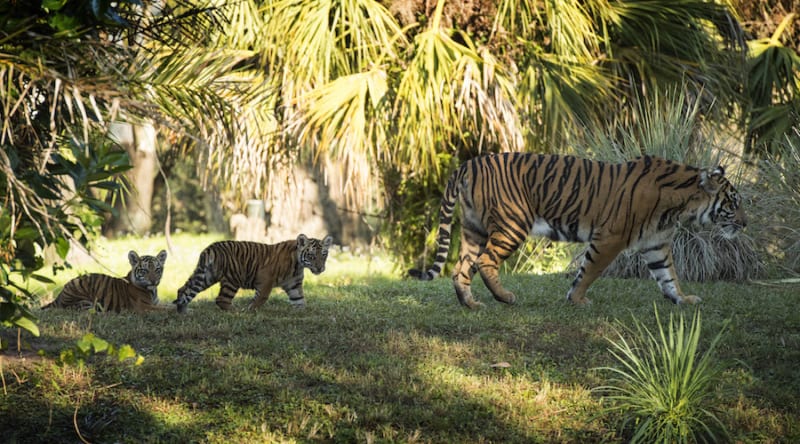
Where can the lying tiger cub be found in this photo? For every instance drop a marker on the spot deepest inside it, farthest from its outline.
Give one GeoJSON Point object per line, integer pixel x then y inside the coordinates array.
{"type": "Point", "coordinates": [137, 292]}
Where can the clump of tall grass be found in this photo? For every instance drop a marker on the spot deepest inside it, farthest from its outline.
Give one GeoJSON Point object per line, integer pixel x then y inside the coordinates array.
{"type": "Point", "coordinates": [669, 126]}
{"type": "Point", "coordinates": [700, 255]}
{"type": "Point", "coordinates": [662, 386]}
{"type": "Point", "coordinates": [775, 205]}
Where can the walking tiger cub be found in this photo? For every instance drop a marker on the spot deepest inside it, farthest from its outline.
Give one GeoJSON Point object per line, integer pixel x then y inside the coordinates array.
{"type": "Point", "coordinates": [613, 207]}
{"type": "Point", "coordinates": [253, 265]}
{"type": "Point", "coordinates": [138, 292]}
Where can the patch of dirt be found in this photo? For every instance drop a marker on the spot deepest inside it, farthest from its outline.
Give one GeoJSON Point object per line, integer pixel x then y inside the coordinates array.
{"type": "Point", "coordinates": [21, 348]}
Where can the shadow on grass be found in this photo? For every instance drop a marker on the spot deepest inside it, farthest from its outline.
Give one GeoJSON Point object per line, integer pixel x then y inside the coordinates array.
{"type": "Point", "coordinates": [374, 359]}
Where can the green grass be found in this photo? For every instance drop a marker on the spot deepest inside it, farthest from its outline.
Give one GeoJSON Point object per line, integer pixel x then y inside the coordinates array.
{"type": "Point", "coordinates": [377, 358]}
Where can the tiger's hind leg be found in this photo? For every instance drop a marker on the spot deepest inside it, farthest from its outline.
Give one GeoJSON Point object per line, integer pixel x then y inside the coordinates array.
{"type": "Point", "coordinates": [202, 278]}
{"type": "Point", "coordinates": [471, 246]}
{"type": "Point", "coordinates": [227, 291]}
{"type": "Point", "coordinates": [597, 258]}
{"type": "Point", "coordinates": [498, 249]}
{"type": "Point", "coordinates": [662, 268]}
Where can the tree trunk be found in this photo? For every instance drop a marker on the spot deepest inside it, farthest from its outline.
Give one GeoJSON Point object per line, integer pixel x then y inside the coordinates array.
{"type": "Point", "coordinates": [135, 206]}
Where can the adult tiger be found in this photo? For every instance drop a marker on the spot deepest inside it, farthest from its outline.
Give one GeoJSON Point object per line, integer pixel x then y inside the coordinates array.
{"type": "Point", "coordinates": [138, 292]}
{"type": "Point", "coordinates": [613, 207]}
{"type": "Point", "coordinates": [253, 265]}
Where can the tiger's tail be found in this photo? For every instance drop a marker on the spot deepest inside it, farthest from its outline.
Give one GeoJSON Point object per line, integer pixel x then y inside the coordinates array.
{"type": "Point", "coordinates": [445, 224]}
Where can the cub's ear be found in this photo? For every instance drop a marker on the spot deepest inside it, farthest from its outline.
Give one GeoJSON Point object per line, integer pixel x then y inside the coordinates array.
{"type": "Point", "coordinates": [301, 240]}
{"type": "Point", "coordinates": [162, 256]}
{"type": "Point", "coordinates": [712, 179]}
{"type": "Point", "coordinates": [327, 241]}
{"type": "Point", "coordinates": [133, 258]}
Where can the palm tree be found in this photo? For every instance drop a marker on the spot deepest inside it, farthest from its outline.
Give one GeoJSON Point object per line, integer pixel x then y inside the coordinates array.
{"type": "Point", "coordinates": [67, 70]}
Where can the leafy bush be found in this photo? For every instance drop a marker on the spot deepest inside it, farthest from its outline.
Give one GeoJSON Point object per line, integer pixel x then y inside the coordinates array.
{"type": "Point", "coordinates": [662, 386]}
{"type": "Point", "coordinates": [54, 204]}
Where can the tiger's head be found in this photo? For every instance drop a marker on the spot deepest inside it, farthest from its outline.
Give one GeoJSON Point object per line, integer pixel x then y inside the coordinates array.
{"type": "Point", "coordinates": [312, 253]}
{"type": "Point", "coordinates": [146, 270]}
{"type": "Point", "coordinates": [723, 204]}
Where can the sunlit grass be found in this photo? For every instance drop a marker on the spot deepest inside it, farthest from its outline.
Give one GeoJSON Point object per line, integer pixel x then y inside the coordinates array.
{"type": "Point", "coordinates": [377, 358]}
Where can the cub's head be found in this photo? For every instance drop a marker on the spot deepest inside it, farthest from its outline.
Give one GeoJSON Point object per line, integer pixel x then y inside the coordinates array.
{"type": "Point", "coordinates": [146, 270]}
{"type": "Point", "coordinates": [723, 204]}
{"type": "Point", "coordinates": [312, 253]}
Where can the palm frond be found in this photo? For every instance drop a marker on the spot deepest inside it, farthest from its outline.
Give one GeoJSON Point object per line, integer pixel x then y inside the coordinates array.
{"type": "Point", "coordinates": [339, 120]}
{"type": "Point", "coordinates": [450, 92]}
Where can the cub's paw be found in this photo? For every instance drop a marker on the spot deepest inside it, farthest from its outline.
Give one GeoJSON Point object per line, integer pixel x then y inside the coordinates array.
{"type": "Point", "coordinates": [508, 298]}
{"type": "Point", "coordinates": [181, 307]}
{"type": "Point", "coordinates": [691, 299]}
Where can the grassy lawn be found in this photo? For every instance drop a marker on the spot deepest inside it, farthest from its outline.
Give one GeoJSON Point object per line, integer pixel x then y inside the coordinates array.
{"type": "Point", "coordinates": [377, 358]}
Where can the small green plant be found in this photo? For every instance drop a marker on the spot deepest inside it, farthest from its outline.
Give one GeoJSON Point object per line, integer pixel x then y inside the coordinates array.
{"type": "Point", "coordinates": [90, 345]}
{"type": "Point", "coordinates": [663, 387]}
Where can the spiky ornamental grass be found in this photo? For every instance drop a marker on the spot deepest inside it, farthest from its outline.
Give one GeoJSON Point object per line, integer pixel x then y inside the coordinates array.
{"type": "Point", "coordinates": [663, 387]}
{"type": "Point", "coordinates": [671, 126]}
{"type": "Point", "coordinates": [701, 255]}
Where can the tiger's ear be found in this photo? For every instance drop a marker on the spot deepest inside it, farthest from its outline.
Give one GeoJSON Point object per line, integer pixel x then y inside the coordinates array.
{"type": "Point", "coordinates": [327, 241]}
{"type": "Point", "coordinates": [133, 258]}
{"type": "Point", "coordinates": [162, 256]}
{"type": "Point", "coordinates": [301, 240]}
{"type": "Point", "coordinates": [711, 180]}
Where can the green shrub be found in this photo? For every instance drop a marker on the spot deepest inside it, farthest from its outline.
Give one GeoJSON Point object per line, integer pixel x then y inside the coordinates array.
{"type": "Point", "coordinates": [662, 386]}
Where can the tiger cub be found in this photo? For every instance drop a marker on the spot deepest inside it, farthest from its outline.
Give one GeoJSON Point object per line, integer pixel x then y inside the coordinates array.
{"type": "Point", "coordinates": [611, 206]}
{"type": "Point", "coordinates": [254, 265]}
{"type": "Point", "coordinates": [136, 292]}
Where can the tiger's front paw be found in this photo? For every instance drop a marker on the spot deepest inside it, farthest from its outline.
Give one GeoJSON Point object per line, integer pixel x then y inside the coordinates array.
{"type": "Point", "coordinates": [507, 298]}
{"type": "Point", "coordinates": [473, 304]}
{"type": "Point", "coordinates": [181, 307]}
{"type": "Point", "coordinates": [582, 302]}
{"type": "Point", "coordinates": [691, 299]}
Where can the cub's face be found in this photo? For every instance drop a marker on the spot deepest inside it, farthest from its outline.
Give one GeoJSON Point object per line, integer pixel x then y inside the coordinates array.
{"type": "Point", "coordinates": [146, 270]}
{"type": "Point", "coordinates": [312, 253]}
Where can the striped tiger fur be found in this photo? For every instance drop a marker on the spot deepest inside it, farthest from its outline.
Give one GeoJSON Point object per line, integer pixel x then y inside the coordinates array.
{"type": "Point", "coordinates": [137, 292]}
{"type": "Point", "coordinates": [254, 265]}
{"type": "Point", "coordinates": [630, 205]}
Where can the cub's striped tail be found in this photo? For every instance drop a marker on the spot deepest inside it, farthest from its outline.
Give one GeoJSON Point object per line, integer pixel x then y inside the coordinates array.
{"type": "Point", "coordinates": [445, 223]}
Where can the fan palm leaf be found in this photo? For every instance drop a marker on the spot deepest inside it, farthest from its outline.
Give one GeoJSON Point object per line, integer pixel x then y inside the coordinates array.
{"type": "Point", "coordinates": [341, 119]}
{"type": "Point", "coordinates": [774, 90]}
{"type": "Point", "coordinates": [447, 93]}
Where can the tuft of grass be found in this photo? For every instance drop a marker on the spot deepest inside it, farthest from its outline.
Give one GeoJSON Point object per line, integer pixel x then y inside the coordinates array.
{"type": "Point", "coordinates": [774, 197]}
{"type": "Point", "coordinates": [700, 255]}
{"type": "Point", "coordinates": [663, 386]}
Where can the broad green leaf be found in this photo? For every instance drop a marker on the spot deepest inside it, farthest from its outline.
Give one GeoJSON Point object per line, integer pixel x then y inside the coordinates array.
{"type": "Point", "coordinates": [53, 5]}
{"type": "Point", "coordinates": [62, 247]}
{"type": "Point", "coordinates": [27, 324]}
{"type": "Point", "coordinates": [125, 352]}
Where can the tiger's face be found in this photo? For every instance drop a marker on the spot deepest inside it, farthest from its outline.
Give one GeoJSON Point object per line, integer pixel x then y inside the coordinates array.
{"type": "Point", "coordinates": [312, 253]}
{"type": "Point", "coordinates": [725, 203]}
{"type": "Point", "coordinates": [146, 270]}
